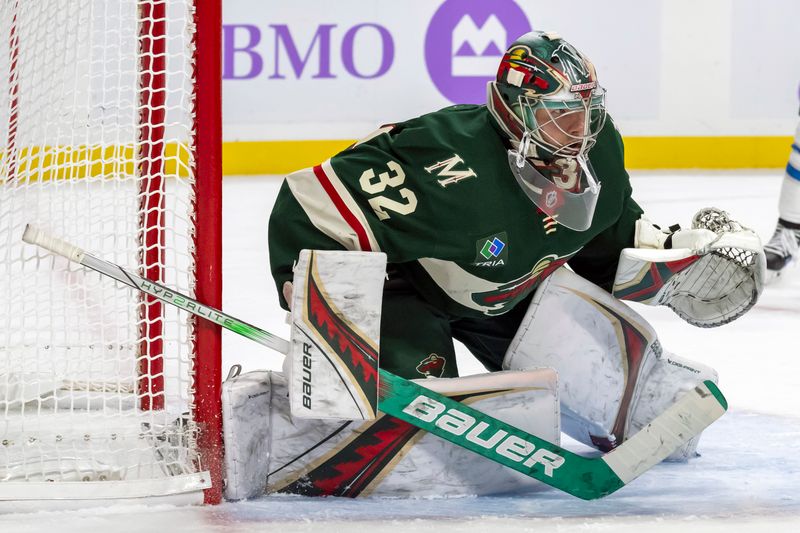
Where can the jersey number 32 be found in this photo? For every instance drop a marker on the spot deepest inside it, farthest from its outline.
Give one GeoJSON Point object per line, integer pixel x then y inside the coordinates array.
{"type": "Point", "coordinates": [376, 185]}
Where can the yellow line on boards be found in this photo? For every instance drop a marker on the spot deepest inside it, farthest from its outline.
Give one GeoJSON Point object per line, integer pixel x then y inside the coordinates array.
{"type": "Point", "coordinates": [276, 157]}
{"type": "Point", "coordinates": [706, 152]}
{"type": "Point", "coordinates": [41, 163]}
{"type": "Point", "coordinates": [641, 153]}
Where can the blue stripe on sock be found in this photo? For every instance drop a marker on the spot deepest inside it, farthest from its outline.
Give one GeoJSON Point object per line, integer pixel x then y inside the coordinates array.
{"type": "Point", "coordinates": [796, 148]}
{"type": "Point", "coordinates": [793, 172]}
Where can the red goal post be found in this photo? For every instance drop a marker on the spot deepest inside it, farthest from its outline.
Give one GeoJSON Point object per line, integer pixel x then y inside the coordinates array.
{"type": "Point", "coordinates": [111, 131]}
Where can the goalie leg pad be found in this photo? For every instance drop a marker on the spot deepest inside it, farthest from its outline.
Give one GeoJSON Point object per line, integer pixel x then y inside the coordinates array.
{"type": "Point", "coordinates": [613, 377]}
{"type": "Point", "coordinates": [336, 315]}
{"type": "Point", "coordinates": [668, 379]}
{"type": "Point", "coordinates": [246, 408]}
{"type": "Point", "coordinates": [269, 451]}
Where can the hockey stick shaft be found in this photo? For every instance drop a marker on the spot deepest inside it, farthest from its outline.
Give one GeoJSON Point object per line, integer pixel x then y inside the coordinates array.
{"type": "Point", "coordinates": [586, 478]}
{"type": "Point", "coordinates": [35, 236]}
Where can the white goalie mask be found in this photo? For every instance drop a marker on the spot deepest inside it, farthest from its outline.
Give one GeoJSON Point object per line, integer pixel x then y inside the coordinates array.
{"type": "Point", "coordinates": [546, 99]}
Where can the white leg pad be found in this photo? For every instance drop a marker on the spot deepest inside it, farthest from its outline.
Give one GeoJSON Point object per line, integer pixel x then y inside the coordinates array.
{"type": "Point", "coordinates": [613, 378]}
{"type": "Point", "coordinates": [336, 316]}
{"type": "Point", "coordinates": [669, 378]}
{"type": "Point", "coordinates": [246, 409]}
{"type": "Point", "coordinates": [268, 450]}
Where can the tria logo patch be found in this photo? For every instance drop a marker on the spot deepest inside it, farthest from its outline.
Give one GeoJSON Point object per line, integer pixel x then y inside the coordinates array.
{"type": "Point", "coordinates": [432, 366]}
{"type": "Point", "coordinates": [448, 173]}
{"type": "Point", "coordinates": [492, 251]}
{"type": "Point", "coordinates": [492, 248]}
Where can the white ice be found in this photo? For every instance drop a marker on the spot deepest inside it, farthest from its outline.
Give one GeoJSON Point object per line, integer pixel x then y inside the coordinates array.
{"type": "Point", "coordinates": [747, 479]}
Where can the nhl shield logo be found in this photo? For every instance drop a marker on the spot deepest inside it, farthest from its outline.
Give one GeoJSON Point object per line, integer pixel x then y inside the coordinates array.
{"type": "Point", "coordinates": [551, 198]}
{"type": "Point", "coordinates": [432, 366]}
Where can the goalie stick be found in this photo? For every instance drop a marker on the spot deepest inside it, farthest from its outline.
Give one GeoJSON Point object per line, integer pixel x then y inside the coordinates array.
{"type": "Point", "coordinates": [584, 477]}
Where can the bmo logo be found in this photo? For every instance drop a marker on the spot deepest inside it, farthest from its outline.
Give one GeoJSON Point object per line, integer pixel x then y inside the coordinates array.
{"type": "Point", "coordinates": [465, 42]}
{"type": "Point", "coordinates": [328, 51]}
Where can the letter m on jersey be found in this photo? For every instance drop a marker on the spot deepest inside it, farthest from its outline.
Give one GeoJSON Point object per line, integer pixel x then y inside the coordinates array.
{"type": "Point", "coordinates": [448, 173]}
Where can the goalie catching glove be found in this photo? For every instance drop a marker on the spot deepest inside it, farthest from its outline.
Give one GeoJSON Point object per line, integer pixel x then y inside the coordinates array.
{"type": "Point", "coordinates": [709, 275]}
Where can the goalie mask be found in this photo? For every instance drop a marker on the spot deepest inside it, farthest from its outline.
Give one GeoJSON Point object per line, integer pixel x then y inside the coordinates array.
{"type": "Point", "coordinates": [547, 101]}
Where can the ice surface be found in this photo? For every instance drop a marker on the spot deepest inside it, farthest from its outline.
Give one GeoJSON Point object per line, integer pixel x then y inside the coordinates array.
{"type": "Point", "coordinates": [747, 479]}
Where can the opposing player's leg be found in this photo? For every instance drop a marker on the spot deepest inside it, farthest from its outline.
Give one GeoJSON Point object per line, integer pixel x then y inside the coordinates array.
{"type": "Point", "coordinates": [782, 248]}
{"type": "Point", "coordinates": [614, 377]}
{"type": "Point", "coordinates": [269, 451]}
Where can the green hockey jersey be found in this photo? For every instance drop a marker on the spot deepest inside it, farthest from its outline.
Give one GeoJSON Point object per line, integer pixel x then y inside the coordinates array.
{"type": "Point", "coordinates": [435, 193]}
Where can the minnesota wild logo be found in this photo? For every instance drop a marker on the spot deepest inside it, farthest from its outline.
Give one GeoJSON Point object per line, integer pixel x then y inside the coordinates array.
{"type": "Point", "coordinates": [491, 251]}
{"type": "Point", "coordinates": [432, 366]}
{"type": "Point", "coordinates": [499, 298]}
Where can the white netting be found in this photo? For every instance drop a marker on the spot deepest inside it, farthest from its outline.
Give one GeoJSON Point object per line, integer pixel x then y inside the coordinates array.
{"type": "Point", "coordinates": [724, 283]}
{"type": "Point", "coordinates": [78, 160]}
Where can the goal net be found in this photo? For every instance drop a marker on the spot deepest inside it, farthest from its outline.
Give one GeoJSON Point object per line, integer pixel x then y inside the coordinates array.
{"type": "Point", "coordinates": [100, 117]}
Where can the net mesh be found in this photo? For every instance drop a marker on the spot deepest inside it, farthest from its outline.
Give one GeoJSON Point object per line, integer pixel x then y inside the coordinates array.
{"type": "Point", "coordinates": [96, 125]}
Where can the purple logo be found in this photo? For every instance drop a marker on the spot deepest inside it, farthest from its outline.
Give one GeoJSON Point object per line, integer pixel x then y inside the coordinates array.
{"type": "Point", "coordinates": [465, 43]}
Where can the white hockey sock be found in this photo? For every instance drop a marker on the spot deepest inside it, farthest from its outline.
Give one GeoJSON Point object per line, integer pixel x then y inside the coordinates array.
{"type": "Point", "coordinates": [789, 202]}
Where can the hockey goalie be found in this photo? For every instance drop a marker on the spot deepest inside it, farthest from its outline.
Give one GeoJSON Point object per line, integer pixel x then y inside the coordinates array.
{"type": "Point", "coordinates": [509, 227]}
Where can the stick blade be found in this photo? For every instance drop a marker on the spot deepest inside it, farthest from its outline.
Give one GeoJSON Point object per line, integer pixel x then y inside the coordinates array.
{"type": "Point", "coordinates": [689, 416]}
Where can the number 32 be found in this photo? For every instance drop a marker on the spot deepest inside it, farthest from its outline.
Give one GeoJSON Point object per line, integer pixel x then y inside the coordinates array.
{"type": "Point", "coordinates": [372, 184]}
